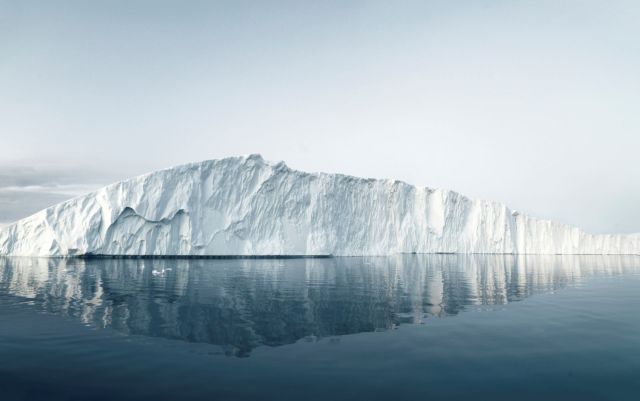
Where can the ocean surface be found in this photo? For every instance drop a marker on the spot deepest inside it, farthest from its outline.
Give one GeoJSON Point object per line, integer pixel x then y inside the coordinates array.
{"type": "Point", "coordinates": [424, 327]}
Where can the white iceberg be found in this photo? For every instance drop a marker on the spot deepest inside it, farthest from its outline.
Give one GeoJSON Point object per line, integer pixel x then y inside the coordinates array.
{"type": "Point", "coordinates": [248, 206]}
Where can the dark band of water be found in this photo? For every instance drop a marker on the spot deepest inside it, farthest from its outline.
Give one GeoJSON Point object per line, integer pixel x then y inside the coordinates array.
{"type": "Point", "coordinates": [101, 256]}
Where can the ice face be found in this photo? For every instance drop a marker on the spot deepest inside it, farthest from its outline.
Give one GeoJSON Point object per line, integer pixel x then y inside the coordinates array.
{"type": "Point", "coordinates": [248, 206]}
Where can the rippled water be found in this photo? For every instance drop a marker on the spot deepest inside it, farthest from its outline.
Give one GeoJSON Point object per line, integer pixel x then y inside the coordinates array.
{"type": "Point", "coordinates": [409, 326]}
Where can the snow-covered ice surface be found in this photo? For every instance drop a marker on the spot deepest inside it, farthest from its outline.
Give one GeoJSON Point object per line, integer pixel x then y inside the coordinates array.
{"type": "Point", "coordinates": [248, 206]}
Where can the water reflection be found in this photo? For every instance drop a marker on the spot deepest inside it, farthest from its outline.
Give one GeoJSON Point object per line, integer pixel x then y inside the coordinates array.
{"type": "Point", "coordinates": [241, 304]}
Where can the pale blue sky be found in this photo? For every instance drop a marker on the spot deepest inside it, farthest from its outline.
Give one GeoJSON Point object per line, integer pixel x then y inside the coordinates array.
{"type": "Point", "coordinates": [532, 103]}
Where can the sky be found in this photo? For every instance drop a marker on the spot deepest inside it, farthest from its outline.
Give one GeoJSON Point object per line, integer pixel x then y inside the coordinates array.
{"type": "Point", "coordinates": [531, 103]}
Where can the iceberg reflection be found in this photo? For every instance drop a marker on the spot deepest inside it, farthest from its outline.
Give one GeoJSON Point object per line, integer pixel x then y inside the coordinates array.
{"type": "Point", "coordinates": [241, 304]}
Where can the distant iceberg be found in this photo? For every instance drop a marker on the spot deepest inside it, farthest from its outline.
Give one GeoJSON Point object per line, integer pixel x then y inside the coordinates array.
{"type": "Point", "coordinates": [246, 206]}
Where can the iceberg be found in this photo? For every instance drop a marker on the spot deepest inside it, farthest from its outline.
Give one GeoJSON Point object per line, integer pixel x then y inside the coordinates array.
{"type": "Point", "coordinates": [246, 206]}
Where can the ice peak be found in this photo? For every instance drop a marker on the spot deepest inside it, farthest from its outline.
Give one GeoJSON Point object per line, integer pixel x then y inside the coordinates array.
{"type": "Point", "coordinates": [248, 206]}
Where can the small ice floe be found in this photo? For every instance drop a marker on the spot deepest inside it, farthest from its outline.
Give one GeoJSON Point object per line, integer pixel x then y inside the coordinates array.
{"type": "Point", "coordinates": [160, 272]}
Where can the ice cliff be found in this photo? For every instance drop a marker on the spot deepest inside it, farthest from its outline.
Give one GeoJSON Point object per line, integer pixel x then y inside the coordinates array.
{"type": "Point", "coordinates": [248, 206]}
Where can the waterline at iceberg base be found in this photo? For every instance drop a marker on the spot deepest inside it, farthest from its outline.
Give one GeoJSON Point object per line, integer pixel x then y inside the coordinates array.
{"type": "Point", "coordinates": [246, 206]}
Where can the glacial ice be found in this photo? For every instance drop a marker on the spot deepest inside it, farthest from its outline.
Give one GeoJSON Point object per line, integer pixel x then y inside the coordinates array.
{"type": "Point", "coordinates": [248, 206]}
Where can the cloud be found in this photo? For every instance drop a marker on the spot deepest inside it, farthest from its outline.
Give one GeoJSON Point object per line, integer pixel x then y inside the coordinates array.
{"type": "Point", "coordinates": [27, 190]}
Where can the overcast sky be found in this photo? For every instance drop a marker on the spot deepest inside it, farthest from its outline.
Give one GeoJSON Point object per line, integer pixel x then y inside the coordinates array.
{"type": "Point", "coordinates": [532, 103]}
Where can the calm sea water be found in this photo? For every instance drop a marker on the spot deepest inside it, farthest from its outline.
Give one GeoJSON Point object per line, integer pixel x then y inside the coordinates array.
{"type": "Point", "coordinates": [440, 327]}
